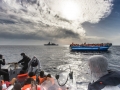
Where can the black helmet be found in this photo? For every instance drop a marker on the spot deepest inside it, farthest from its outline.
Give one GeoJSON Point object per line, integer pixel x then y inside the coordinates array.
{"type": "Point", "coordinates": [22, 54]}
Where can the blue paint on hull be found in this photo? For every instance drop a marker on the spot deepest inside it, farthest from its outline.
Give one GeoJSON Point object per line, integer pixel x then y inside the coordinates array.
{"type": "Point", "coordinates": [89, 48]}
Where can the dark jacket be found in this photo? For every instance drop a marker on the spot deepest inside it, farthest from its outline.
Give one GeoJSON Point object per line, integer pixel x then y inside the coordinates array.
{"type": "Point", "coordinates": [25, 60]}
{"type": "Point", "coordinates": [1, 62]}
{"type": "Point", "coordinates": [110, 79]}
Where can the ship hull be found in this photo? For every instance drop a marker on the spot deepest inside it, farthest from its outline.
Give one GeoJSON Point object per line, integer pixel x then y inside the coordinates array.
{"type": "Point", "coordinates": [89, 48]}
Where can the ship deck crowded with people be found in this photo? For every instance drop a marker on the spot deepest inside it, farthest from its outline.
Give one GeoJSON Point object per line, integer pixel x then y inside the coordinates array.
{"type": "Point", "coordinates": [90, 47]}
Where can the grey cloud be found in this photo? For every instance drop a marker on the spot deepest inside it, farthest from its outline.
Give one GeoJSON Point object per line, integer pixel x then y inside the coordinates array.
{"type": "Point", "coordinates": [62, 19]}
{"type": "Point", "coordinates": [29, 1]}
{"type": "Point", "coordinates": [24, 10]}
{"type": "Point", "coordinates": [32, 36]}
{"type": "Point", "coordinates": [62, 33]}
{"type": "Point", "coordinates": [2, 21]}
{"type": "Point", "coordinates": [46, 28]}
{"type": "Point", "coordinates": [26, 21]}
{"type": "Point", "coordinates": [65, 33]}
{"type": "Point", "coordinates": [21, 32]}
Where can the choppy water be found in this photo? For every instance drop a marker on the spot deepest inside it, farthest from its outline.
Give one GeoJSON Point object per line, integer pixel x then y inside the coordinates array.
{"type": "Point", "coordinates": [54, 58]}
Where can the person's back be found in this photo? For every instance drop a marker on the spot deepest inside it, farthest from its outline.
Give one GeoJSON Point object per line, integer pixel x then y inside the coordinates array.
{"type": "Point", "coordinates": [26, 58]}
{"type": "Point", "coordinates": [49, 77]}
{"type": "Point", "coordinates": [49, 84]}
{"type": "Point", "coordinates": [32, 75]}
{"type": "Point", "coordinates": [42, 77]}
{"type": "Point", "coordinates": [27, 83]}
{"type": "Point", "coordinates": [22, 76]}
{"type": "Point", "coordinates": [102, 78]}
{"type": "Point", "coordinates": [30, 84]}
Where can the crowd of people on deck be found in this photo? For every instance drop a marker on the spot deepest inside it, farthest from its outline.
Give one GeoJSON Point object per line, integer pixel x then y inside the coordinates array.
{"type": "Point", "coordinates": [102, 78]}
{"type": "Point", "coordinates": [97, 44]}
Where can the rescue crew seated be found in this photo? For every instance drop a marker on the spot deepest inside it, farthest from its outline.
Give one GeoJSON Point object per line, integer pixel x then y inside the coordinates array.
{"type": "Point", "coordinates": [49, 77]}
{"type": "Point", "coordinates": [49, 84]}
{"type": "Point", "coordinates": [34, 65]}
{"type": "Point", "coordinates": [22, 76]}
{"type": "Point", "coordinates": [42, 77]}
{"type": "Point", "coordinates": [24, 61]}
{"type": "Point", "coordinates": [103, 79]}
{"type": "Point", "coordinates": [2, 72]}
{"type": "Point", "coordinates": [27, 83]}
{"type": "Point", "coordinates": [32, 75]}
{"type": "Point", "coordinates": [30, 84]}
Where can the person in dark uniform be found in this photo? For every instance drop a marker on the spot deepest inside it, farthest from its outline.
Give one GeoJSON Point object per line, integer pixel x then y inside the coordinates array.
{"type": "Point", "coordinates": [24, 61]}
{"type": "Point", "coordinates": [102, 77]}
{"type": "Point", "coordinates": [2, 72]}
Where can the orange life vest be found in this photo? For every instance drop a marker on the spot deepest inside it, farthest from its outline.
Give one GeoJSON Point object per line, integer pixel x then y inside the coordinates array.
{"type": "Point", "coordinates": [34, 77]}
{"type": "Point", "coordinates": [42, 79]}
{"type": "Point", "coordinates": [22, 77]}
{"type": "Point", "coordinates": [28, 87]}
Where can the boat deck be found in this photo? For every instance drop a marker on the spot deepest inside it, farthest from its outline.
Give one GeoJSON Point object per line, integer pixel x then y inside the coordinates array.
{"type": "Point", "coordinates": [11, 70]}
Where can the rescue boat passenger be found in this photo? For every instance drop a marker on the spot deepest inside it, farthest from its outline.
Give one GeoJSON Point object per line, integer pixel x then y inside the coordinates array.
{"type": "Point", "coordinates": [28, 86]}
{"type": "Point", "coordinates": [27, 83]}
{"type": "Point", "coordinates": [32, 75]}
{"type": "Point", "coordinates": [42, 77]}
{"type": "Point", "coordinates": [22, 76]}
{"type": "Point", "coordinates": [102, 78]}
{"type": "Point", "coordinates": [22, 73]}
{"type": "Point", "coordinates": [49, 84]}
{"type": "Point", "coordinates": [49, 77]}
{"type": "Point", "coordinates": [34, 65]}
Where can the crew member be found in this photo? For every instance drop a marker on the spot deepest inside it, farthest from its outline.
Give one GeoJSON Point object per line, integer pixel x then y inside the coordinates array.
{"type": "Point", "coordinates": [2, 72]}
{"type": "Point", "coordinates": [34, 65]}
{"type": "Point", "coordinates": [24, 61]}
{"type": "Point", "coordinates": [102, 78]}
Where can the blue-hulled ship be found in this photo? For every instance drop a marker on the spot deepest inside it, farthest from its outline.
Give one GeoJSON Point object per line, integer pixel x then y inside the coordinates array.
{"type": "Point", "coordinates": [90, 47]}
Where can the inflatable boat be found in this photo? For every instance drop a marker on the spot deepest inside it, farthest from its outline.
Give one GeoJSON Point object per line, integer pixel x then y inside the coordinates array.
{"type": "Point", "coordinates": [14, 68]}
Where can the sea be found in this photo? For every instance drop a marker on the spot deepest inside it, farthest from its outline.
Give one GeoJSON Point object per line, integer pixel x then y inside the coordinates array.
{"type": "Point", "coordinates": [60, 59]}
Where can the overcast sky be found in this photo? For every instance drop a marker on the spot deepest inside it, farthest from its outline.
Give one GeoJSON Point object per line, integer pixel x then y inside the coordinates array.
{"type": "Point", "coordinates": [35, 22]}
